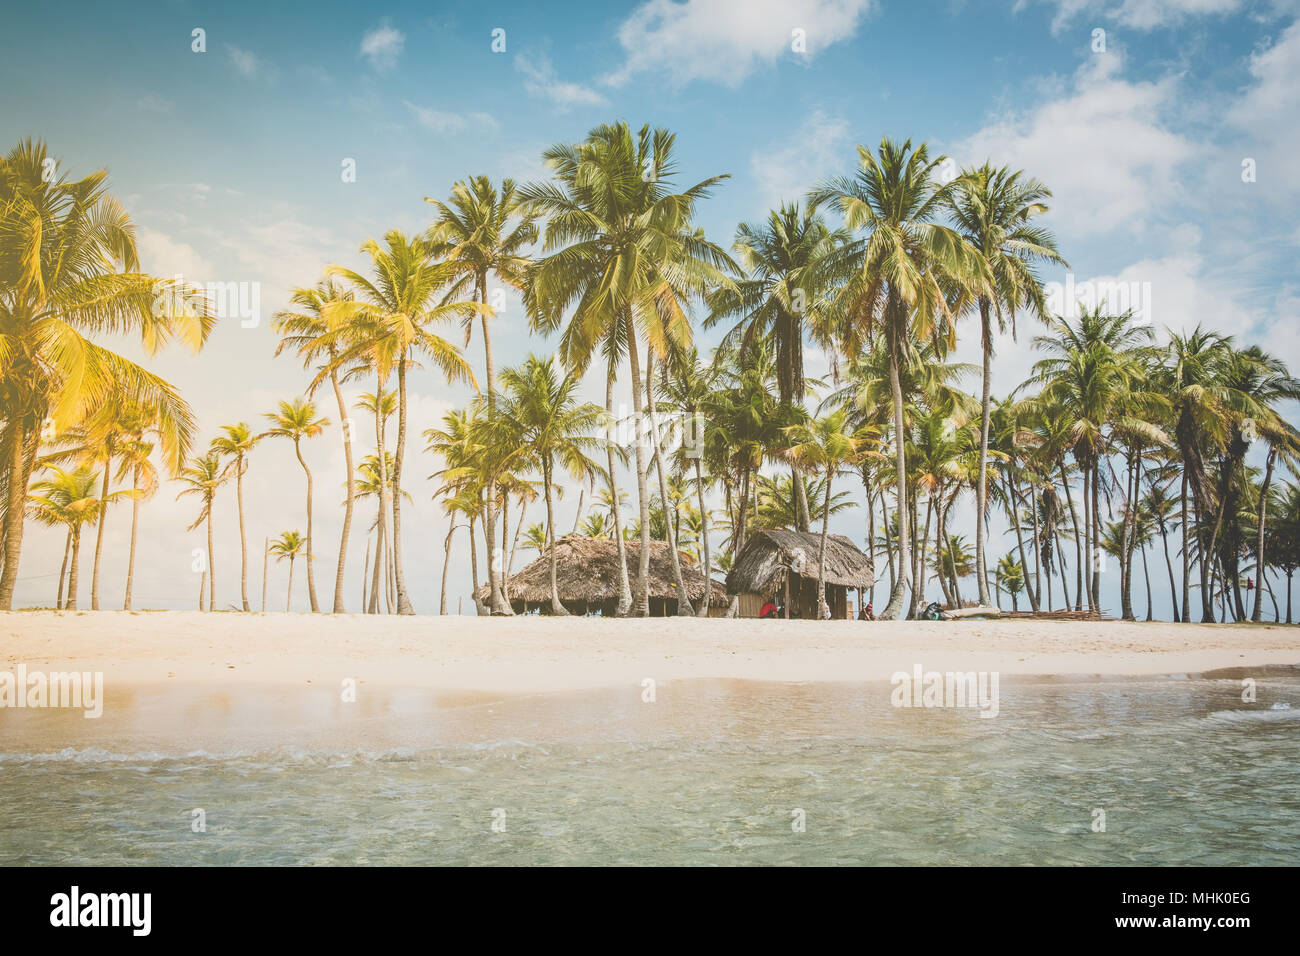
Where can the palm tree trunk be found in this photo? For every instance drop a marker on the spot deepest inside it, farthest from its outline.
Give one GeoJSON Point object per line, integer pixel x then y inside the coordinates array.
{"type": "Point", "coordinates": [642, 489]}
{"type": "Point", "coordinates": [706, 567]}
{"type": "Point", "coordinates": [403, 600]}
{"type": "Point", "coordinates": [63, 569]}
{"type": "Point", "coordinates": [375, 571]}
{"type": "Point", "coordinates": [514, 544]}
{"type": "Point", "coordinates": [624, 586]}
{"type": "Point", "coordinates": [1096, 534]}
{"type": "Point", "coordinates": [479, 606]}
{"type": "Point", "coordinates": [981, 482]}
{"type": "Point", "coordinates": [1032, 498]}
{"type": "Point", "coordinates": [349, 502]}
{"type": "Point", "coordinates": [1260, 563]}
{"type": "Point", "coordinates": [684, 608]}
{"type": "Point", "coordinates": [1187, 553]}
{"type": "Point", "coordinates": [365, 576]}
{"type": "Point", "coordinates": [446, 563]}
{"type": "Point", "coordinates": [1014, 502]}
{"type": "Point", "coordinates": [823, 609]}
{"type": "Point", "coordinates": [13, 528]}
{"type": "Point", "coordinates": [894, 609]}
{"type": "Point", "coordinates": [135, 527]}
{"type": "Point", "coordinates": [311, 578]}
{"type": "Point", "coordinates": [212, 564]}
{"type": "Point", "coordinates": [1078, 539]}
{"type": "Point", "coordinates": [803, 517]}
{"type": "Point", "coordinates": [288, 599]}
{"type": "Point", "coordinates": [1169, 566]}
{"type": "Point", "coordinates": [557, 608]}
{"type": "Point", "coordinates": [99, 536]}
{"type": "Point", "coordinates": [385, 494]}
{"type": "Point", "coordinates": [1146, 575]}
{"type": "Point", "coordinates": [243, 541]}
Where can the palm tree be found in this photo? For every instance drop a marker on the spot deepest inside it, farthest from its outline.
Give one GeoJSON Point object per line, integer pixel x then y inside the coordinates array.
{"type": "Point", "coordinates": [297, 420]}
{"type": "Point", "coordinates": [68, 498]}
{"type": "Point", "coordinates": [235, 444]}
{"type": "Point", "coordinates": [1096, 366]}
{"type": "Point", "coordinates": [306, 328]}
{"type": "Point", "coordinates": [542, 413]}
{"type": "Point", "coordinates": [829, 445]}
{"type": "Point", "coordinates": [626, 258]}
{"type": "Point", "coordinates": [367, 485]}
{"type": "Point", "coordinates": [289, 545]}
{"type": "Point", "coordinates": [469, 456]}
{"type": "Point", "coordinates": [204, 476]}
{"type": "Point", "coordinates": [536, 537]}
{"type": "Point", "coordinates": [783, 296]}
{"type": "Point", "coordinates": [482, 232]}
{"type": "Point", "coordinates": [69, 269]}
{"type": "Point", "coordinates": [1011, 576]}
{"type": "Point", "coordinates": [688, 394]}
{"type": "Point", "coordinates": [994, 210]}
{"type": "Point", "coordinates": [140, 424]}
{"type": "Point", "coordinates": [386, 325]}
{"type": "Point", "coordinates": [907, 272]}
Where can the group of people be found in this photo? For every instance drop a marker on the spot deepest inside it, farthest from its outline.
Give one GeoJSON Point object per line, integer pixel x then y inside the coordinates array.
{"type": "Point", "coordinates": [774, 610]}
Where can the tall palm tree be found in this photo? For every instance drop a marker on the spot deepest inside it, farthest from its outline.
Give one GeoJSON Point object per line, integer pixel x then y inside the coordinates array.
{"type": "Point", "coordinates": [387, 326]}
{"type": "Point", "coordinates": [622, 253]}
{"type": "Point", "coordinates": [1096, 366]}
{"type": "Point", "coordinates": [483, 231]}
{"type": "Point", "coordinates": [140, 425]}
{"type": "Point", "coordinates": [69, 270]}
{"type": "Point", "coordinates": [469, 456]}
{"type": "Point", "coordinates": [235, 444]}
{"type": "Point", "coordinates": [829, 445]}
{"type": "Point", "coordinates": [784, 296]}
{"type": "Point", "coordinates": [289, 545]}
{"type": "Point", "coordinates": [907, 272]}
{"type": "Point", "coordinates": [68, 498]}
{"type": "Point", "coordinates": [304, 327]}
{"type": "Point", "coordinates": [541, 412]}
{"type": "Point", "coordinates": [297, 420]}
{"type": "Point", "coordinates": [204, 476]}
{"type": "Point", "coordinates": [994, 209]}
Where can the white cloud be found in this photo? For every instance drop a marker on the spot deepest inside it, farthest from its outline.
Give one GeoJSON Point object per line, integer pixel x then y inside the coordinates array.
{"type": "Point", "coordinates": [540, 80]}
{"type": "Point", "coordinates": [163, 256]}
{"type": "Point", "coordinates": [440, 122]}
{"type": "Point", "coordinates": [725, 40]}
{"type": "Point", "coordinates": [383, 45]}
{"type": "Point", "coordinates": [1267, 111]}
{"type": "Point", "coordinates": [246, 64]}
{"type": "Point", "coordinates": [1104, 149]}
{"type": "Point", "coordinates": [1139, 14]}
{"type": "Point", "coordinates": [787, 169]}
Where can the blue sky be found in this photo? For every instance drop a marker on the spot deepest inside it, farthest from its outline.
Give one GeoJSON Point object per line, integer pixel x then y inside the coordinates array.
{"type": "Point", "coordinates": [230, 159]}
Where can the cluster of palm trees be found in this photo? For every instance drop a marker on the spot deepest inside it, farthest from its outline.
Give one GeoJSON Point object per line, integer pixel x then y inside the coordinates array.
{"type": "Point", "coordinates": [1120, 447]}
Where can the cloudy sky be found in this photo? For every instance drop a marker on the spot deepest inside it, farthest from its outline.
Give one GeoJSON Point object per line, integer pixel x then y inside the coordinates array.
{"type": "Point", "coordinates": [1166, 129]}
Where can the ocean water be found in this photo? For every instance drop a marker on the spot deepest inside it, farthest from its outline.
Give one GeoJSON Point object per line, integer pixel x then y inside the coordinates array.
{"type": "Point", "coordinates": [711, 772]}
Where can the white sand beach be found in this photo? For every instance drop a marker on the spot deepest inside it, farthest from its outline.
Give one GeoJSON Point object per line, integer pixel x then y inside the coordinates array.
{"type": "Point", "coordinates": [543, 654]}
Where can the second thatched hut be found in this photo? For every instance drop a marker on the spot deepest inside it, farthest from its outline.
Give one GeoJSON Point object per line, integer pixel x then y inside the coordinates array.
{"type": "Point", "coordinates": [781, 567]}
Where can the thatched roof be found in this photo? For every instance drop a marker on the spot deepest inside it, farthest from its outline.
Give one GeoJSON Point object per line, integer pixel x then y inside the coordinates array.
{"type": "Point", "coordinates": [762, 562]}
{"type": "Point", "coordinates": [587, 570]}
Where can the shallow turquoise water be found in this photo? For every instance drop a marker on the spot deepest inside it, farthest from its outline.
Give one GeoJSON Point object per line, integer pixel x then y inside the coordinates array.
{"type": "Point", "coordinates": [712, 773]}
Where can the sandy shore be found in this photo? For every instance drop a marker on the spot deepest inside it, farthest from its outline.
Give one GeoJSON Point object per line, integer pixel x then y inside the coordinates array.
{"type": "Point", "coordinates": [535, 655]}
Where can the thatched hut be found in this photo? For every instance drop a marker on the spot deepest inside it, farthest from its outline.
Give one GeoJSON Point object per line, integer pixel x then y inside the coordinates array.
{"type": "Point", "coordinates": [781, 567]}
{"type": "Point", "coordinates": [587, 578]}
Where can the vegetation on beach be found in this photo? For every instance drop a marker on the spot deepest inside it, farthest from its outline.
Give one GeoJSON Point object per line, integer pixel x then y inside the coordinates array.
{"type": "Point", "coordinates": [1127, 447]}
